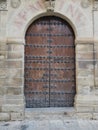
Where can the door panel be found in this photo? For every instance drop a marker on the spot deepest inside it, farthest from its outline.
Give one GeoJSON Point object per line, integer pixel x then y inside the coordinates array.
{"type": "Point", "coordinates": [49, 64]}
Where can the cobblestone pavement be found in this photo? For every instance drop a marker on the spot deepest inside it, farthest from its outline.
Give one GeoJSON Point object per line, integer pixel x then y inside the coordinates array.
{"type": "Point", "coordinates": [50, 125]}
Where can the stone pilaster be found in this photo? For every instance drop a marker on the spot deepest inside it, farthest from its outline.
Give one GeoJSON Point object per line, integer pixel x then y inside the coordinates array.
{"type": "Point", "coordinates": [14, 84]}
{"type": "Point", "coordinates": [85, 98]}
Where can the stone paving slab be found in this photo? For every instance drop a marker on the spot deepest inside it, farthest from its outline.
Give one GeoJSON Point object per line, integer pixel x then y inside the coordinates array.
{"type": "Point", "coordinates": [50, 125]}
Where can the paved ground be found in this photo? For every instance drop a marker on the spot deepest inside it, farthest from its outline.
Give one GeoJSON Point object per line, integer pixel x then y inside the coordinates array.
{"type": "Point", "coordinates": [50, 125]}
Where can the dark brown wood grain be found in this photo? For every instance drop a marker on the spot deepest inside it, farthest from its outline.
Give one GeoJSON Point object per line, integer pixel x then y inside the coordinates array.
{"type": "Point", "coordinates": [49, 64]}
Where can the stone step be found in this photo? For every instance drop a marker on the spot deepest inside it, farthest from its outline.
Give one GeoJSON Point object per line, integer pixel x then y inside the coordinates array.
{"type": "Point", "coordinates": [49, 113]}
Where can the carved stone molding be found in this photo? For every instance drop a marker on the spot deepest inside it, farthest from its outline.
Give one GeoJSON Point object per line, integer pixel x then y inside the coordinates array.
{"type": "Point", "coordinates": [49, 4]}
{"type": "Point", "coordinates": [3, 5]}
{"type": "Point", "coordinates": [95, 5]}
{"type": "Point", "coordinates": [85, 3]}
{"type": "Point", "coordinates": [15, 3]}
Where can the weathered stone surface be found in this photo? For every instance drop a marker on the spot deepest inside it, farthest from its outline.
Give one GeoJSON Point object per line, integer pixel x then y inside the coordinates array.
{"type": "Point", "coordinates": [2, 82]}
{"type": "Point", "coordinates": [14, 64]}
{"type": "Point", "coordinates": [14, 73]}
{"type": "Point", "coordinates": [84, 48]}
{"type": "Point", "coordinates": [89, 100]}
{"type": "Point", "coordinates": [86, 55]}
{"type": "Point", "coordinates": [96, 72]}
{"type": "Point", "coordinates": [15, 47]}
{"type": "Point", "coordinates": [17, 116]}
{"type": "Point", "coordinates": [13, 101]}
{"type": "Point", "coordinates": [11, 82]}
{"type": "Point", "coordinates": [2, 55]}
{"type": "Point", "coordinates": [13, 91]}
{"type": "Point", "coordinates": [12, 108]}
{"type": "Point", "coordinates": [4, 116]}
{"type": "Point", "coordinates": [19, 97]}
{"type": "Point", "coordinates": [1, 102]}
{"type": "Point", "coordinates": [85, 73]}
{"type": "Point", "coordinates": [3, 47]}
{"type": "Point", "coordinates": [85, 81]}
{"type": "Point", "coordinates": [3, 72]}
{"type": "Point", "coordinates": [2, 90]}
{"type": "Point", "coordinates": [86, 64]}
{"type": "Point", "coordinates": [2, 63]}
{"type": "Point", "coordinates": [84, 115]}
{"type": "Point", "coordinates": [95, 116]}
{"type": "Point", "coordinates": [15, 55]}
{"type": "Point", "coordinates": [85, 109]}
{"type": "Point", "coordinates": [96, 81]}
{"type": "Point", "coordinates": [96, 107]}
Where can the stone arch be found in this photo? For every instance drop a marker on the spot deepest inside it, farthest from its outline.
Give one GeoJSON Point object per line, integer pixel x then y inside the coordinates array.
{"type": "Point", "coordinates": [53, 14]}
{"type": "Point", "coordinates": [26, 14]}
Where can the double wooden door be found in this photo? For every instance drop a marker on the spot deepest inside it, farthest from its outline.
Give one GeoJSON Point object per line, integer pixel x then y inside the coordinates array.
{"type": "Point", "coordinates": [49, 64]}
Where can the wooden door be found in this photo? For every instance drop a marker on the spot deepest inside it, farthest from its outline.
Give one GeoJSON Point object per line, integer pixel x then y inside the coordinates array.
{"type": "Point", "coordinates": [49, 64]}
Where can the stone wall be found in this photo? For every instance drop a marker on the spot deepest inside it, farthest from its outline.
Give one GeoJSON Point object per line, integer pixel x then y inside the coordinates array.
{"type": "Point", "coordinates": [11, 81]}
{"type": "Point", "coordinates": [83, 17]}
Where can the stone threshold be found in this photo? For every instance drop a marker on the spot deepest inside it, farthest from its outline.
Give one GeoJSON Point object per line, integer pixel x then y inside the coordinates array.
{"type": "Point", "coordinates": [48, 113]}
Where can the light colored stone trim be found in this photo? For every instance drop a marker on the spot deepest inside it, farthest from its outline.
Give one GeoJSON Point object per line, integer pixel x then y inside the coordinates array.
{"type": "Point", "coordinates": [84, 41]}
{"type": "Point", "coordinates": [15, 41]}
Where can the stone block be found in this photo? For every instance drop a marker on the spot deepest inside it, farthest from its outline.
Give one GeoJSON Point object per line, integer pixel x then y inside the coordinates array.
{"type": "Point", "coordinates": [96, 55]}
{"type": "Point", "coordinates": [2, 82]}
{"type": "Point", "coordinates": [2, 55]}
{"type": "Point", "coordinates": [84, 109]}
{"type": "Point", "coordinates": [85, 73]}
{"type": "Point", "coordinates": [13, 101]}
{"type": "Point", "coordinates": [86, 81]}
{"type": "Point", "coordinates": [14, 64]}
{"type": "Point", "coordinates": [17, 116]}
{"type": "Point", "coordinates": [13, 108]}
{"type": "Point", "coordinates": [2, 90]}
{"type": "Point", "coordinates": [11, 82]}
{"type": "Point", "coordinates": [0, 108]}
{"type": "Point", "coordinates": [3, 47]}
{"type": "Point", "coordinates": [1, 100]}
{"type": "Point", "coordinates": [14, 73]}
{"type": "Point", "coordinates": [85, 64]}
{"type": "Point", "coordinates": [84, 89]}
{"type": "Point", "coordinates": [3, 19]}
{"type": "Point", "coordinates": [15, 47]}
{"type": "Point", "coordinates": [84, 115]}
{"type": "Point", "coordinates": [86, 100]}
{"type": "Point", "coordinates": [3, 72]}
{"type": "Point", "coordinates": [15, 55]}
{"type": "Point", "coordinates": [96, 108]}
{"type": "Point", "coordinates": [84, 47]}
{"type": "Point", "coordinates": [95, 116]}
{"type": "Point", "coordinates": [2, 63]}
{"type": "Point", "coordinates": [96, 72]}
{"type": "Point", "coordinates": [4, 116]}
{"type": "Point", "coordinates": [18, 97]}
{"type": "Point", "coordinates": [85, 56]}
{"type": "Point", "coordinates": [96, 81]}
{"type": "Point", "coordinates": [96, 90]}
{"type": "Point", "coordinates": [96, 47]}
{"type": "Point", "coordinates": [14, 91]}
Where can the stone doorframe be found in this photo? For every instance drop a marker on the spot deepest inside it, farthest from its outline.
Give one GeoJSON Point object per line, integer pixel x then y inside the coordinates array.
{"type": "Point", "coordinates": [18, 22]}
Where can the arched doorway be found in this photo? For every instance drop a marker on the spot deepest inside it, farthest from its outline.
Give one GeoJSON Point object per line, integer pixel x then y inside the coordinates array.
{"type": "Point", "coordinates": [49, 64]}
